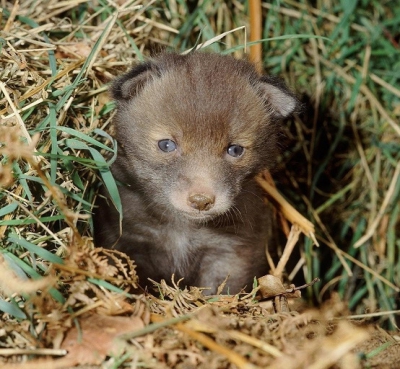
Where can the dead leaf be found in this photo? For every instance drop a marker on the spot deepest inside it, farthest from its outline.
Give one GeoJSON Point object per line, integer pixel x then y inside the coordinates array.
{"type": "Point", "coordinates": [96, 338]}
{"type": "Point", "coordinates": [270, 286]}
{"type": "Point", "coordinates": [76, 50]}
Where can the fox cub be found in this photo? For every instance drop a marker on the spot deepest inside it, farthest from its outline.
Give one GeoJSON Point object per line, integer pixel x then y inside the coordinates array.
{"type": "Point", "coordinates": [193, 131]}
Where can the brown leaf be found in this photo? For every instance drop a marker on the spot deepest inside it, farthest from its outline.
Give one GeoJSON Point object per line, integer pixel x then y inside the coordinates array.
{"type": "Point", "coordinates": [76, 50]}
{"type": "Point", "coordinates": [270, 286]}
{"type": "Point", "coordinates": [96, 337]}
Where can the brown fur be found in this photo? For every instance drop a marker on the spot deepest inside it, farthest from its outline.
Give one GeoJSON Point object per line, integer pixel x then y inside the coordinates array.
{"type": "Point", "coordinates": [195, 211]}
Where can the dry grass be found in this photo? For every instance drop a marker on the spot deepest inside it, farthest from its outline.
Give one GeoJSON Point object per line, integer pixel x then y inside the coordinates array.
{"type": "Point", "coordinates": [341, 169]}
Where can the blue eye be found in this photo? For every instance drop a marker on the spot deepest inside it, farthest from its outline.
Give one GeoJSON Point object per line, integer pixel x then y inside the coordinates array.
{"type": "Point", "coordinates": [235, 151]}
{"type": "Point", "coordinates": [167, 145]}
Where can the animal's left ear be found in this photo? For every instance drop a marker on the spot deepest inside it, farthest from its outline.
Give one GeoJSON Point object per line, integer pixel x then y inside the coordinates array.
{"type": "Point", "coordinates": [279, 99]}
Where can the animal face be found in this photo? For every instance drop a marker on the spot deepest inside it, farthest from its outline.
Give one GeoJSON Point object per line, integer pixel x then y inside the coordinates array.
{"type": "Point", "coordinates": [193, 129]}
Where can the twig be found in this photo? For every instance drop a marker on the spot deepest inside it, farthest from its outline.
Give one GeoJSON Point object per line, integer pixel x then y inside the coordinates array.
{"type": "Point", "coordinates": [21, 123]}
{"type": "Point", "coordinates": [370, 315]}
{"type": "Point", "coordinates": [214, 39]}
{"type": "Point", "coordinates": [291, 242]}
{"type": "Point", "coordinates": [11, 18]}
{"type": "Point", "coordinates": [158, 322]}
{"type": "Point", "coordinates": [302, 287]}
{"type": "Point", "coordinates": [255, 33]}
{"type": "Point", "coordinates": [208, 342]}
{"type": "Point", "coordinates": [289, 212]}
{"type": "Point", "coordinates": [382, 209]}
{"type": "Point", "coordinates": [17, 351]}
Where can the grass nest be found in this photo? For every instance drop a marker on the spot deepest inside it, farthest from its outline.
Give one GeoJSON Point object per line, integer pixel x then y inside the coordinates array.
{"type": "Point", "coordinates": [65, 302]}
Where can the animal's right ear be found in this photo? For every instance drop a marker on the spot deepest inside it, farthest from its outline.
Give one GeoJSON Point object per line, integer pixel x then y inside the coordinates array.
{"type": "Point", "coordinates": [130, 84]}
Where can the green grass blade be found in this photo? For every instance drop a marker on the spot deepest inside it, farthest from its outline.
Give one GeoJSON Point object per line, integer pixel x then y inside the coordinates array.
{"type": "Point", "coordinates": [108, 286]}
{"type": "Point", "coordinates": [105, 172]}
{"type": "Point", "coordinates": [12, 309]}
{"type": "Point", "coordinates": [41, 252]}
{"type": "Point", "coordinates": [8, 209]}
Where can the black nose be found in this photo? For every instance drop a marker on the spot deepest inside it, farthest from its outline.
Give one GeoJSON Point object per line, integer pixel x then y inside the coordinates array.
{"type": "Point", "coordinates": [200, 201]}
